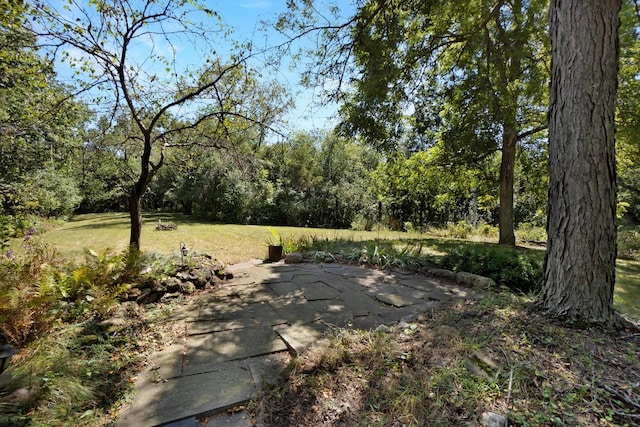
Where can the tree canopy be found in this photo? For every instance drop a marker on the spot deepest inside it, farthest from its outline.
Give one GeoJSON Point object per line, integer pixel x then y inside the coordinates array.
{"type": "Point", "coordinates": [129, 53]}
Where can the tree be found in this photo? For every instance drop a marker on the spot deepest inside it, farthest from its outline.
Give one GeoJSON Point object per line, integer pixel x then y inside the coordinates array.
{"type": "Point", "coordinates": [38, 139]}
{"type": "Point", "coordinates": [128, 55]}
{"type": "Point", "coordinates": [473, 77]}
{"type": "Point", "coordinates": [628, 113]}
{"type": "Point", "coordinates": [579, 272]}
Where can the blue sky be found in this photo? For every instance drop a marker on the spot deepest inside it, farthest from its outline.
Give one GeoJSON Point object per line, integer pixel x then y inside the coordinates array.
{"type": "Point", "coordinates": [245, 18]}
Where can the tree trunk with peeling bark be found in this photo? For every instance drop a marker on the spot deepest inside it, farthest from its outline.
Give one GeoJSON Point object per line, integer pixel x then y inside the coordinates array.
{"type": "Point", "coordinates": [579, 272]}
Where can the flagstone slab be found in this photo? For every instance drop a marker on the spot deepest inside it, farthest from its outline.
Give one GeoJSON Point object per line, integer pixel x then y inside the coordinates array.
{"type": "Point", "coordinates": [286, 289]}
{"type": "Point", "coordinates": [319, 291]}
{"type": "Point", "coordinates": [267, 368]}
{"type": "Point", "coordinates": [203, 352]}
{"type": "Point", "coordinates": [342, 284]}
{"type": "Point", "coordinates": [299, 337]}
{"type": "Point", "coordinates": [358, 303]}
{"type": "Point", "coordinates": [209, 326]}
{"type": "Point", "coordinates": [235, 419]}
{"type": "Point", "coordinates": [301, 310]}
{"type": "Point", "coordinates": [420, 283]}
{"type": "Point", "coordinates": [397, 300]}
{"type": "Point", "coordinates": [304, 279]}
{"type": "Point", "coordinates": [163, 365]}
{"type": "Point", "coordinates": [256, 293]}
{"type": "Point", "coordinates": [189, 396]}
{"type": "Point", "coordinates": [368, 322]}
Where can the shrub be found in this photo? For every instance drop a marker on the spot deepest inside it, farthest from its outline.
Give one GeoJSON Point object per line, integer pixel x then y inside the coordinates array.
{"type": "Point", "coordinates": [518, 269]}
{"type": "Point", "coordinates": [629, 242]}
{"type": "Point", "coordinates": [486, 230]}
{"type": "Point", "coordinates": [460, 230]}
{"type": "Point", "coordinates": [532, 233]}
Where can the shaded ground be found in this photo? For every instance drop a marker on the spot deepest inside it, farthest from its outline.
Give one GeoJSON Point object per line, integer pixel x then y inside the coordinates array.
{"type": "Point", "coordinates": [239, 336]}
{"type": "Point", "coordinates": [463, 359]}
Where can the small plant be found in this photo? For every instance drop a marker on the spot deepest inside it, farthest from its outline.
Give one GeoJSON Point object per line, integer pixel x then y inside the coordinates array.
{"type": "Point", "coordinates": [275, 238]}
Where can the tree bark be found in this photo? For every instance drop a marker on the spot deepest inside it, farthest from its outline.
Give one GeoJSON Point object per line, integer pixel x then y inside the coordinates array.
{"type": "Point", "coordinates": [507, 165]}
{"type": "Point", "coordinates": [147, 171]}
{"type": "Point", "coordinates": [579, 272]}
{"type": "Point", "coordinates": [135, 215]}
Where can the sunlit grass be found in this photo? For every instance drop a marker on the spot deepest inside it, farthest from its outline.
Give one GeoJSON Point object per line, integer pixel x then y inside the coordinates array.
{"type": "Point", "coordinates": [232, 243]}
{"type": "Point", "coordinates": [627, 291]}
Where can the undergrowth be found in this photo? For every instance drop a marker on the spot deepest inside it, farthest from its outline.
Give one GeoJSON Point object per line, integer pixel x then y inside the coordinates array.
{"type": "Point", "coordinates": [518, 269]}
{"type": "Point", "coordinates": [450, 366]}
{"type": "Point", "coordinates": [71, 366]}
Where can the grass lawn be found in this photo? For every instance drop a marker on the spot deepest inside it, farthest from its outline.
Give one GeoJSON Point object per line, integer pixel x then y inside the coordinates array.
{"type": "Point", "coordinates": [433, 371]}
{"type": "Point", "coordinates": [233, 243]}
{"type": "Point", "coordinates": [230, 243]}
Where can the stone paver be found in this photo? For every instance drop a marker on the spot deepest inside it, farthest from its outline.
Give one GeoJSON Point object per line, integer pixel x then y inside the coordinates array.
{"type": "Point", "coordinates": [242, 334]}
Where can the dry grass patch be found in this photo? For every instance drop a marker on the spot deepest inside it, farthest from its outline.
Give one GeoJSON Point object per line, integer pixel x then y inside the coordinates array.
{"type": "Point", "coordinates": [450, 366]}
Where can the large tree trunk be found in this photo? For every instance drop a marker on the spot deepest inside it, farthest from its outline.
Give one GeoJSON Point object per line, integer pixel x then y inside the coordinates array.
{"type": "Point", "coordinates": [581, 250]}
{"type": "Point", "coordinates": [507, 165]}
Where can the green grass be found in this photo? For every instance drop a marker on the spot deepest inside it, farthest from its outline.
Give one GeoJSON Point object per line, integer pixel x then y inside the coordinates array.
{"type": "Point", "coordinates": [627, 291]}
{"type": "Point", "coordinates": [233, 243]}
{"type": "Point", "coordinates": [230, 243]}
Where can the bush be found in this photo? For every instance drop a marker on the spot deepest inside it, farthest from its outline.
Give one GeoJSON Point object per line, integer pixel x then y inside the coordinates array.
{"type": "Point", "coordinates": [629, 242]}
{"type": "Point", "coordinates": [531, 233]}
{"type": "Point", "coordinates": [460, 230]}
{"type": "Point", "coordinates": [518, 269]}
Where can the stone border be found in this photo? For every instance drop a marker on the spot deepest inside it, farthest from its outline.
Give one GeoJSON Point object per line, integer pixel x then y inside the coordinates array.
{"type": "Point", "coordinates": [460, 277]}
{"type": "Point", "coordinates": [463, 278]}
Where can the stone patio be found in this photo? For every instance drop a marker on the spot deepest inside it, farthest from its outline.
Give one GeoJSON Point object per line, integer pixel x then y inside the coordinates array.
{"type": "Point", "coordinates": [244, 333]}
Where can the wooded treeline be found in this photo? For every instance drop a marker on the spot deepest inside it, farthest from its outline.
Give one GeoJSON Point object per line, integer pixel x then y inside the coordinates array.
{"type": "Point", "coordinates": [59, 155]}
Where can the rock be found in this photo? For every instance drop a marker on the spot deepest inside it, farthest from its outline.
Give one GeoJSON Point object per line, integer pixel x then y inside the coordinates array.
{"type": "Point", "coordinates": [172, 284]}
{"type": "Point", "coordinates": [182, 275]}
{"type": "Point", "coordinates": [382, 329]}
{"type": "Point", "coordinates": [484, 360]}
{"type": "Point", "coordinates": [293, 258]}
{"type": "Point", "coordinates": [188, 287]}
{"type": "Point", "coordinates": [169, 296]}
{"type": "Point", "coordinates": [208, 273]}
{"type": "Point", "coordinates": [470, 279]}
{"type": "Point", "coordinates": [143, 295]}
{"type": "Point", "coordinates": [442, 273]}
{"type": "Point", "coordinates": [20, 395]}
{"type": "Point", "coordinates": [153, 297]}
{"type": "Point", "coordinates": [475, 369]}
{"type": "Point", "coordinates": [199, 280]}
{"type": "Point", "coordinates": [134, 293]}
{"type": "Point", "coordinates": [329, 260]}
{"type": "Point", "coordinates": [113, 324]}
{"type": "Point", "coordinates": [147, 283]}
{"type": "Point", "coordinates": [491, 419]}
{"type": "Point", "coordinates": [158, 288]}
